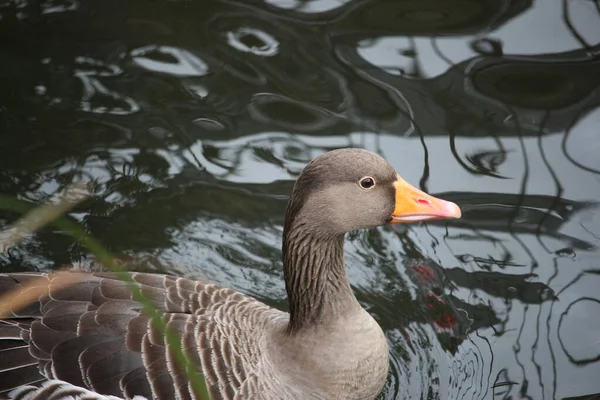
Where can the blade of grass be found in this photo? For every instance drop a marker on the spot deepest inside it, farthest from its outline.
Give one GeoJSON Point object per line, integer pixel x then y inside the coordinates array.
{"type": "Point", "coordinates": [40, 216]}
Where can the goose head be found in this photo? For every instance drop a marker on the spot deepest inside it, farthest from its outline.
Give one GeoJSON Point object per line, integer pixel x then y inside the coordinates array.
{"type": "Point", "coordinates": [349, 189]}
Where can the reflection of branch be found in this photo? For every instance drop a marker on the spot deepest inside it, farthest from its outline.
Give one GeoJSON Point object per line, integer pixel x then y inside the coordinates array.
{"type": "Point", "coordinates": [511, 286]}
{"type": "Point", "coordinates": [492, 158]}
{"type": "Point", "coordinates": [523, 190]}
{"type": "Point", "coordinates": [595, 396]}
{"type": "Point", "coordinates": [577, 361]}
{"type": "Point", "coordinates": [559, 187]}
{"type": "Point", "coordinates": [438, 52]}
{"type": "Point", "coordinates": [569, 24]}
{"type": "Point", "coordinates": [480, 169]}
{"type": "Point", "coordinates": [536, 214]}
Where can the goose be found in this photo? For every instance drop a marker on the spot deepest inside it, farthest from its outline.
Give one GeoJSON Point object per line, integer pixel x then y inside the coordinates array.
{"type": "Point", "coordinates": [92, 340]}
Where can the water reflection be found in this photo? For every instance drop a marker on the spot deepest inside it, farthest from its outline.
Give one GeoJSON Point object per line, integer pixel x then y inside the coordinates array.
{"type": "Point", "coordinates": [192, 121]}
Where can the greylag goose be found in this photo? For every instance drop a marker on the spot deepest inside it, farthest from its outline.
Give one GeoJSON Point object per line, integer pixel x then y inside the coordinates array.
{"type": "Point", "coordinates": [92, 340]}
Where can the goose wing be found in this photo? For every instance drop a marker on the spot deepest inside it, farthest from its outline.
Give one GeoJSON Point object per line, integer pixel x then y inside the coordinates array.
{"type": "Point", "coordinates": [93, 336]}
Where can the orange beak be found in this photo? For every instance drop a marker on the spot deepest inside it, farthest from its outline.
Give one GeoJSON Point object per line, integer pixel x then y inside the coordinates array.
{"type": "Point", "coordinates": [414, 205]}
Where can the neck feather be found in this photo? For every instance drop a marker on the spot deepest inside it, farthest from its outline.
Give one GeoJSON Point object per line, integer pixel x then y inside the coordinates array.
{"type": "Point", "coordinates": [315, 277]}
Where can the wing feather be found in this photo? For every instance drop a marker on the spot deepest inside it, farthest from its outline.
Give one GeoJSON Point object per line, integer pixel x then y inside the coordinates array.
{"type": "Point", "coordinates": [66, 357]}
{"type": "Point", "coordinates": [95, 336]}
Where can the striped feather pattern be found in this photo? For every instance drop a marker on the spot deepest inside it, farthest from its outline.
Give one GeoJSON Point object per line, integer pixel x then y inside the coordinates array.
{"type": "Point", "coordinates": [93, 339]}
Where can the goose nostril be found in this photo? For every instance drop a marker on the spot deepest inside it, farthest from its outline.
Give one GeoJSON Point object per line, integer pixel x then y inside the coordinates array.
{"type": "Point", "coordinates": [423, 201]}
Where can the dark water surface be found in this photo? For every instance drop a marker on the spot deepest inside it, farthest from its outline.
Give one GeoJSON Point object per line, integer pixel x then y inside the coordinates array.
{"type": "Point", "coordinates": [193, 118]}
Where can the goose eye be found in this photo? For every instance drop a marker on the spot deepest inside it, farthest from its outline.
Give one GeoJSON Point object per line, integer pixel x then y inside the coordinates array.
{"type": "Point", "coordinates": [367, 182]}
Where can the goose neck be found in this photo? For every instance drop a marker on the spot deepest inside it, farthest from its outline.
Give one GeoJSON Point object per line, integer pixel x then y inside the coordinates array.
{"type": "Point", "coordinates": [316, 279]}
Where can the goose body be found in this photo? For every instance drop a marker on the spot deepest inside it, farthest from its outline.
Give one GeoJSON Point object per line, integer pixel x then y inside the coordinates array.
{"type": "Point", "coordinates": [91, 340]}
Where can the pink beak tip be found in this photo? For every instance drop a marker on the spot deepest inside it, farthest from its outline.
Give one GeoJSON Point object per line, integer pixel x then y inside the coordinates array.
{"type": "Point", "coordinates": [452, 210]}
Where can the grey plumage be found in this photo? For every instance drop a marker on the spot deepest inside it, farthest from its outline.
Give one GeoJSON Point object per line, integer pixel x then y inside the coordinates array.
{"type": "Point", "coordinates": [94, 335]}
{"type": "Point", "coordinates": [93, 339]}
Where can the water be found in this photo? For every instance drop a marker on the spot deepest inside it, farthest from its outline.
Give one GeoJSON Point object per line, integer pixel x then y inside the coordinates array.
{"type": "Point", "coordinates": [193, 118]}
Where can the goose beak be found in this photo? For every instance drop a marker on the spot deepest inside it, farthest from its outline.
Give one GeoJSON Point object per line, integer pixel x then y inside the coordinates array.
{"type": "Point", "coordinates": [414, 205]}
